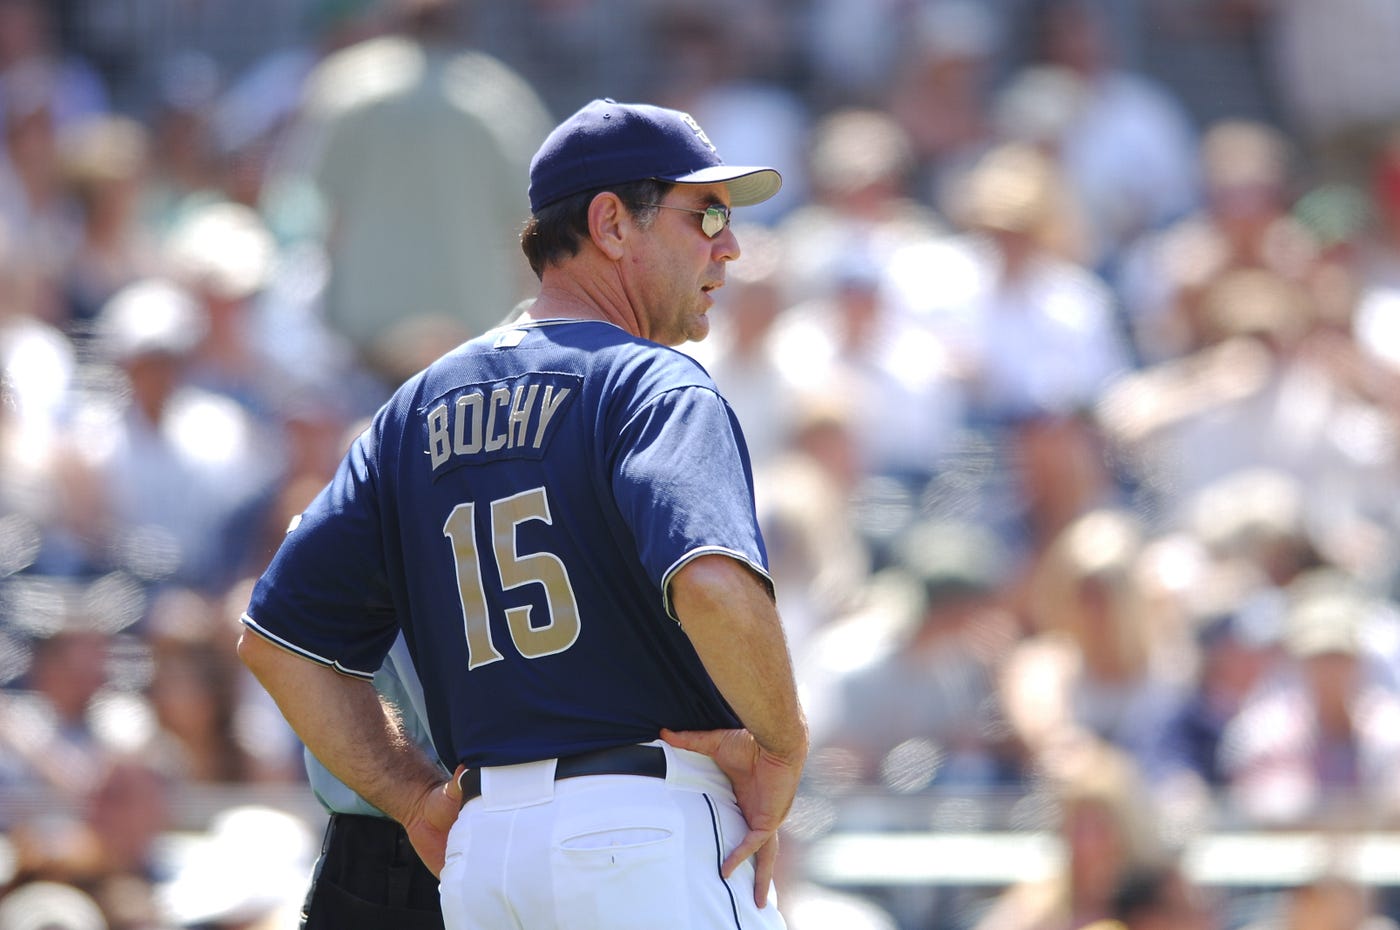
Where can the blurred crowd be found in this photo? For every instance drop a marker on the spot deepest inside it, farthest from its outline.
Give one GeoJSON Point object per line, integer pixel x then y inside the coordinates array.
{"type": "Point", "coordinates": [1068, 358]}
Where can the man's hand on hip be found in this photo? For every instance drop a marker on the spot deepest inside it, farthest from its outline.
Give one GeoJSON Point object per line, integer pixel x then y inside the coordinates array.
{"type": "Point", "coordinates": [764, 785]}
{"type": "Point", "coordinates": [430, 821]}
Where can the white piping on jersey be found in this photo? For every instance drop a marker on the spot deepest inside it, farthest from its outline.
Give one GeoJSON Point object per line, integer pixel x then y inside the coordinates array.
{"type": "Point", "coordinates": [556, 321]}
{"type": "Point", "coordinates": [695, 554]}
{"type": "Point", "coordinates": [252, 624]}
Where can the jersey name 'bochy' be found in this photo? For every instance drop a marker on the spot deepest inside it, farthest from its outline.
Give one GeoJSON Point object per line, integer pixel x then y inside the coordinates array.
{"type": "Point", "coordinates": [520, 507]}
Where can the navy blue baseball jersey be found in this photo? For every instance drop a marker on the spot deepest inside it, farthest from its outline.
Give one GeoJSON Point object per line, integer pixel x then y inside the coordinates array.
{"type": "Point", "coordinates": [519, 508]}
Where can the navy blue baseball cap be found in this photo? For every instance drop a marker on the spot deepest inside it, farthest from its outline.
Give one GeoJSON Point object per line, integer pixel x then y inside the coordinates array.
{"type": "Point", "coordinates": [608, 143]}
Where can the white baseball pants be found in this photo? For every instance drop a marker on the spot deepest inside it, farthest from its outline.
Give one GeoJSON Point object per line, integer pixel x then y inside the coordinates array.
{"type": "Point", "coordinates": [601, 852]}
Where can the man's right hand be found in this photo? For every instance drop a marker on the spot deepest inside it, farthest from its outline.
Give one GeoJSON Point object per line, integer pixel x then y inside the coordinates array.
{"type": "Point", "coordinates": [429, 823]}
{"type": "Point", "coordinates": [764, 785]}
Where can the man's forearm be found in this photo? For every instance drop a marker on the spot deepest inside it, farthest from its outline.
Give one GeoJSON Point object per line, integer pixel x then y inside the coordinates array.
{"type": "Point", "coordinates": [345, 725]}
{"type": "Point", "coordinates": [731, 620]}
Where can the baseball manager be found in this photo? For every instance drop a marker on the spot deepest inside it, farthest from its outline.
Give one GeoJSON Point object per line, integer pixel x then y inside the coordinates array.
{"type": "Point", "coordinates": [558, 515]}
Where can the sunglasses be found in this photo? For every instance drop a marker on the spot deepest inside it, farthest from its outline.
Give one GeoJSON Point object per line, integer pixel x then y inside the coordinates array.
{"type": "Point", "coordinates": [716, 216]}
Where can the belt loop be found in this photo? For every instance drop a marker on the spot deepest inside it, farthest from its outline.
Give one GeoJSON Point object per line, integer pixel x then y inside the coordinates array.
{"type": "Point", "coordinates": [511, 786]}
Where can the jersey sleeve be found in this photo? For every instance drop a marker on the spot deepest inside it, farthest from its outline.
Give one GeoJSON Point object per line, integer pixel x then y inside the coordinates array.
{"type": "Point", "coordinates": [326, 594]}
{"type": "Point", "coordinates": [684, 485]}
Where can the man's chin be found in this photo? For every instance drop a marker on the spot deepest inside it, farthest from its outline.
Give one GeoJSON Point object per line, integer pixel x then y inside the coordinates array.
{"type": "Point", "coordinates": [698, 329]}
{"type": "Point", "coordinates": [697, 334]}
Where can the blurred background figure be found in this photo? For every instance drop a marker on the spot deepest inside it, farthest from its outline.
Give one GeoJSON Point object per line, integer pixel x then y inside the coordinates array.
{"type": "Point", "coordinates": [105, 160]}
{"type": "Point", "coordinates": [176, 474]}
{"type": "Point", "coordinates": [1318, 747]}
{"type": "Point", "coordinates": [183, 168]}
{"type": "Point", "coordinates": [1159, 897]}
{"type": "Point", "coordinates": [29, 50]}
{"type": "Point", "coordinates": [1238, 653]}
{"type": "Point", "coordinates": [272, 850]}
{"type": "Point", "coordinates": [1249, 181]}
{"type": "Point", "coordinates": [1327, 902]}
{"type": "Point", "coordinates": [1258, 396]}
{"type": "Point", "coordinates": [50, 737]}
{"type": "Point", "coordinates": [1095, 665]}
{"type": "Point", "coordinates": [204, 730]}
{"type": "Point", "coordinates": [941, 92]}
{"type": "Point", "coordinates": [130, 816]}
{"type": "Point", "coordinates": [816, 535]}
{"type": "Point", "coordinates": [741, 353]}
{"type": "Point", "coordinates": [1030, 336]}
{"type": "Point", "coordinates": [1124, 142]}
{"type": "Point", "coordinates": [854, 343]}
{"type": "Point", "coordinates": [44, 91]}
{"type": "Point", "coordinates": [1377, 314]}
{"type": "Point", "coordinates": [223, 255]}
{"type": "Point", "coordinates": [726, 66]}
{"type": "Point", "coordinates": [1107, 833]}
{"type": "Point", "coordinates": [860, 168]}
{"type": "Point", "coordinates": [32, 196]}
{"type": "Point", "coordinates": [1331, 74]}
{"type": "Point", "coordinates": [419, 147]}
{"type": "Point", "coordinates": [50, 906]}
{"type": "Point", "coordinates": [925, 713]}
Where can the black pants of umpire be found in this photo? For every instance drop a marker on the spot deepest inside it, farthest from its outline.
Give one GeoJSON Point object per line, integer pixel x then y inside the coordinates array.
{"type": "Point", "coordinates": [369, 878]}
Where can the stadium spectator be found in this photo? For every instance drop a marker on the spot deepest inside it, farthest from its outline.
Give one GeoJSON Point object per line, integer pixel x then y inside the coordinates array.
{"type": "Point", "coordinates": [104, 161]}
{"type": "Point", "coordinates": [1249, 176]}
{"type": "Point", "coordinates": [818, 543]}
{"type": "Point", "coordinates": [30, 55]}
{"type": "Point", "coordinates": [854, 343]}
{"type": "Point", "coordinates": [860, 169]}
{"type": "Point", "coordinates": [1329, 901]}
{"type": "Point", "coordinates": [1319, 747]}
{"type": "Point", "coordinates": [1331, 73]}
{"type": "Point", "coordinates": [49, 738]}
{"type": "Point", "coordinates": [1259, 396]}
{"type": "Point", "coordinates": [178, 474]}
{"type": "Point", "coordinates": [419, 249]}
{"type": "Point", "coordinates": [1123, 141]}
{"type": "Point", "coordinates": [726, 71]}
{"type": "Point", "coordinates": [223, 255]}
{"type": "Point", "coordinates": [1238, 652]}
{"type": "Point", "coordinates": [1029, 335]}
{"type": "Point", "coordinates": [1094, 666]}
{"type": "Point", "coordinates": [741, 352]}
{"type": "Point", "coordinates": [1108, 832]}
{"type": "Point", "coordinates": [926, 712]}
{"type": "Point", "coordinates": [941, 91]}
{"type": "Point", "coordinates": [32, 195]}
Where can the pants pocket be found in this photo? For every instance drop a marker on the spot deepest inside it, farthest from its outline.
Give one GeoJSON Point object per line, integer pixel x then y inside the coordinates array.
{"type": "Point", "coordinates": [615, 838]}
{"type": "Point", "coordinates": [619, 870]}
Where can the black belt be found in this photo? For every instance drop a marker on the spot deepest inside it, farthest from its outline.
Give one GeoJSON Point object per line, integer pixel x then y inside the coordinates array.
{"type": "Point", "coordinates": [648, 761]}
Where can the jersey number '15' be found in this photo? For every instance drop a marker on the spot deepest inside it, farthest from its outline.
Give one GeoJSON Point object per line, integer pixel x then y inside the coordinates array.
{"type": "Point", "coordinates": [542, 568]}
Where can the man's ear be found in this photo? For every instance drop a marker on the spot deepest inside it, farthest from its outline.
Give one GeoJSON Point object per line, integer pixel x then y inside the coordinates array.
{"type": "Point", "coordinates": [609, 223]}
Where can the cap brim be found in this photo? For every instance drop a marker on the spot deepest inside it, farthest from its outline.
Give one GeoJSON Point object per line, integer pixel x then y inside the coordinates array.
{"type": "Point", "coordinates": [747, 185]}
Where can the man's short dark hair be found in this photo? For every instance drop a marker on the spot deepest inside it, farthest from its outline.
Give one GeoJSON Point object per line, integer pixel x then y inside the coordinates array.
{"type": "Point", "coordinates": [559, 229]}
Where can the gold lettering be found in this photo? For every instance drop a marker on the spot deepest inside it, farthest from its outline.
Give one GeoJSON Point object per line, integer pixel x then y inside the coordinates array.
{"type": "Point", "coordinates": [468, 414]}
{"type": "Point", "coordinates": [500, 397]}
{"type": "Point", "coordinates": [520, 413]}
{"type": "Point", "coordinates": [439, 442]}
{"type": "Point", "coordinates": [549, 404]}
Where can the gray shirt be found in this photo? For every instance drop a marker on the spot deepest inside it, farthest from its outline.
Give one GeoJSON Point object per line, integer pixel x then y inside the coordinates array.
{"type": "Point", "coordinates": [397, 683]}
